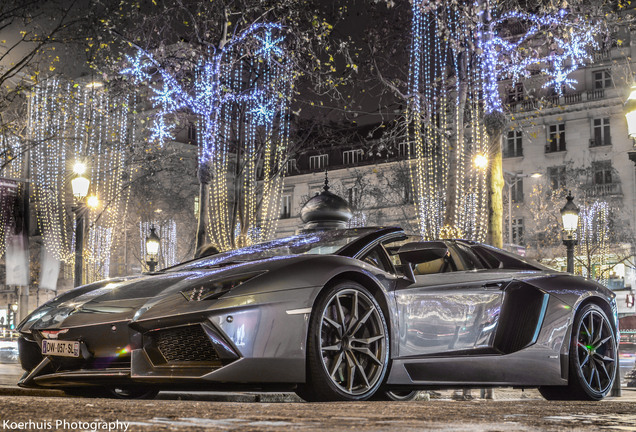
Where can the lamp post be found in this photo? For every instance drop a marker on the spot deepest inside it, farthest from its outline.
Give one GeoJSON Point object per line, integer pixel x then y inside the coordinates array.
{"type": "Point", "coordinates": [152, 249]}
{"type": "Point", "coordinates": [511, 179]}
{"type": "Point", "coordinates": [570, 218]}
{"type": "Point", "coordinates": [80, 186]}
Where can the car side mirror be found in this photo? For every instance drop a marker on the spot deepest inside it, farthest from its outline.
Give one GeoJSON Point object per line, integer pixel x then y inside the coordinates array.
{"type": "Point", "coordinates": [420, 252]}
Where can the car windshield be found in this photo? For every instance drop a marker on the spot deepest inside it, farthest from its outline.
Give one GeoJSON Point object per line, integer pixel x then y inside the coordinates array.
{"type": "Point", "coordinates": [318, 243]}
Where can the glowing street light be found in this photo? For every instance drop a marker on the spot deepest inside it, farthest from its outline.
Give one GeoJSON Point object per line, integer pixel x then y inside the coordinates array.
{"type": "Point", "coordinates": [480, 161]}
{"type": "Point", "coordinates": [152, 249]}
{"type": "Point", "coordinates": [80, 185]}
{"type": "Point", "coordinates": [570, 218]}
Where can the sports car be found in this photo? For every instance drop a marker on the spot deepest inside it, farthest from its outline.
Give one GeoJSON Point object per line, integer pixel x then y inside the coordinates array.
{"type": "Point", "coordinates": [348, 314]}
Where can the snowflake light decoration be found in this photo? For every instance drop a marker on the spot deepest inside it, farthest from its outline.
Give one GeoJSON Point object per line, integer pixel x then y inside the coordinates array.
{"type": "Point", "coordinates": [137, 68]}
{"type": "Point", "coordinates": [269, 46]}
{"type": "Point", "coordinates": [263, 111]}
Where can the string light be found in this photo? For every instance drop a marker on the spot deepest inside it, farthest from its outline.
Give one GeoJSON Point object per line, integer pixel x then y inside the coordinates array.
{"type": "Point", "coordinates": [445, 35]}
{"type": "Point", "coordinates": [234, 107]}
{"type": "Point", "coordinates": [69, 125]}
{"type": "Point", "coordinates": [11, 158]}
{"type": "Point", "coordinates": [593, 235]}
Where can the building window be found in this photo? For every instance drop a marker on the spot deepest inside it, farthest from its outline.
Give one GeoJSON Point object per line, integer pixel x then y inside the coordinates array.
{"type": "Point", "coordinates": [516, 190]}
{"type": "Point", "coordinates": [556, 138]}
{"type": "Point", "coordinates": [405, 149]}
{"type": "Point", "coordinates": [318, 162]}
{"type": "Point", "coordinates": [600, 132]}
{"type": "Point", "coordinates": [354, 197]}
{"type": "Point", "coordinates": [515, 93]}
{"type": "Point", "coordinates": [517, 231]}
{"type": "Point", "coordinates": [513, 145]}
{"type": "Point", "coordinates": [285, 207]}
{"type": "Point", "coordinates": [351, 157]}
{"type": "Point", "coordinates": [291, 166]}
{"type": "Point", "coordinates": [602, 79]}
{"type": "Point", "coordinates": [556, 175]}
{"type": "Point", "coordinates": [602, 172]}
{"type": "Point", "coordinates": [192, 134]}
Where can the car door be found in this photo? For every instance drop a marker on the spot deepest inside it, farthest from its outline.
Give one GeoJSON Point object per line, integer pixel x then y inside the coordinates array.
{"type": "Point", "coordinates": [453, 308]}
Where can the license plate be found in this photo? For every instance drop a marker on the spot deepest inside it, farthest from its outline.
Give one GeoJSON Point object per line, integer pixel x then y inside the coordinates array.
{"type": "Point", "coordinates": [61, 348]}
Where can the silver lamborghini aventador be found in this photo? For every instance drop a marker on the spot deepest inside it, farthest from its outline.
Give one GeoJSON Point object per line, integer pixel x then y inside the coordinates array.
{"type": "Point", "coordinates": [336, 315]}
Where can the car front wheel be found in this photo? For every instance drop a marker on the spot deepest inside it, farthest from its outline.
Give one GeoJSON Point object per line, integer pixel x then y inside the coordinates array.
{"type": "Point", "coordinates": [348, 345]}
{"type": "Point", "coordinates": [593, 357]}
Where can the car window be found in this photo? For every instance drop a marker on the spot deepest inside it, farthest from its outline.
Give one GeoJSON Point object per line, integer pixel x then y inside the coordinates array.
{"type": "Point", "coordinates": [442, 265]}
{"type": "Point", "coordinates": [469, 260]}
{"type": "Point", "coordinates": [391, 247]}
{"type": "Point", "coordinates": [497, 258]}
{"type": "Point", "coordinates": [376, 258]}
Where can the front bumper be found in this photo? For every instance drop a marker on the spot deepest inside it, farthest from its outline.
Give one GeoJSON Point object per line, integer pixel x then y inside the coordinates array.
{"type": "Point", "coordinates": [234, 345]}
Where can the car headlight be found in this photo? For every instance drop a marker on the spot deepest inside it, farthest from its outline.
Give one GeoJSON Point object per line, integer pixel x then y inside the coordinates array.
{"type": "Point", "coordinates": [215, 289]}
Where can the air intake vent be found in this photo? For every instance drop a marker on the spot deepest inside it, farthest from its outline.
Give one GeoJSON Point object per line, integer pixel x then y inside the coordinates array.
{"type": "Point", "coordinates": [521, 318]}
{"type": "Point", "coordinates": [185, 344]}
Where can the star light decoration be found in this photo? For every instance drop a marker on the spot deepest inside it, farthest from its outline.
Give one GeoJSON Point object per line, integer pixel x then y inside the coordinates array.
{"type": "Point", "coordinates": [239, 95]}
{"type": "Point", "coordinates": [445, 36]}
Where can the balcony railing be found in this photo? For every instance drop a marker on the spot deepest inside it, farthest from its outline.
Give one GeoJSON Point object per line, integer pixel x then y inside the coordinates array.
{"type": "Point", "coordinates": [603, 54]}
{"type": "Point", "coordinates": [512, 154]}
{"type": "Point", "coordinates": [607, 189]}
{"type": "Point", "coordinates": [554, 101]}
{"type": "Point", "coordinates": [595, 94]}
{"type": "Point", "coordinates": [554, 147]}
{"type": "Point", "coordinates": [594, 142]}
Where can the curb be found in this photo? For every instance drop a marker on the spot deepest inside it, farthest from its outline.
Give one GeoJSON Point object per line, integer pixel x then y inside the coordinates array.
{"type": "Point", "coordinates": [19, 391]}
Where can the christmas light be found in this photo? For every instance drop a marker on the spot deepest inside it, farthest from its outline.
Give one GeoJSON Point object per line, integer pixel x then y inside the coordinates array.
{"type": "Point", "coordinates": [239, 95]}
{"type": "Point", "coordinates": [466, 47]}
{"type": "Point", "coordinates": [72, 124]}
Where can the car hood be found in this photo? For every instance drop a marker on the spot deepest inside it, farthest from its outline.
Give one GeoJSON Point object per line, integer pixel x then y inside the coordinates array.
{"type": "Point", "coordinates": [126, 299]}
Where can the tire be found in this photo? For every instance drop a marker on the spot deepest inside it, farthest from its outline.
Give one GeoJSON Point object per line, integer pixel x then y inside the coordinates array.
{"type": "Point", "coordinates": [592, 360]}
{"type": "Point", "coordinates": [395, 395]}
{"type": "Point", "coordinates": [347, 346]}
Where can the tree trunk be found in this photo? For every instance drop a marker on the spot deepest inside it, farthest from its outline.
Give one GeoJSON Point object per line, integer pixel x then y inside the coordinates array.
{"type": "Point", "coordinates": [495, 188]}
{"type": "Point", "coordinates": [204, 205]}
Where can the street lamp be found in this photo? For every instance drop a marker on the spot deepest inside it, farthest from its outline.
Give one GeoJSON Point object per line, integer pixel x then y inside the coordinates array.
{"type": "Point", "coordinates": [511, 179]}
{"type": "Point", "coordinates": [570, 218]}
{"type": "Point", "coordinates": [630, 115]}
{"type": "Point", "coordinates": [480, 161]}
{"type": "Point", "coordinates": [80, 185]}
{"type": "Point", "coordinates": [152, 249]}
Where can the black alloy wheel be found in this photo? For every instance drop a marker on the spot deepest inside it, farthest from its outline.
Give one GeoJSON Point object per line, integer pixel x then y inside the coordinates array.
{"type": "Point", "coordinates": [593, 358]}
{"type": "Point", "coordinates": [348, 345]}
{"type": "Point", "coordinates": [396, 395]}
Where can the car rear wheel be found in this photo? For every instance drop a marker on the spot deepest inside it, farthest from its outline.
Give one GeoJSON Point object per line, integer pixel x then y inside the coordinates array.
{"type": "Point", "coordinates": [593, 357]}
{"type": "Point", "coordinates": [348, 345]}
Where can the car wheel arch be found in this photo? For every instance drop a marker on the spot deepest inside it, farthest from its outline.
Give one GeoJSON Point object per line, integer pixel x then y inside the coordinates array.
{"type": "Point", "coordinates": [369, 283]}
{"type": "Point", "coordinates": [595, 300]}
